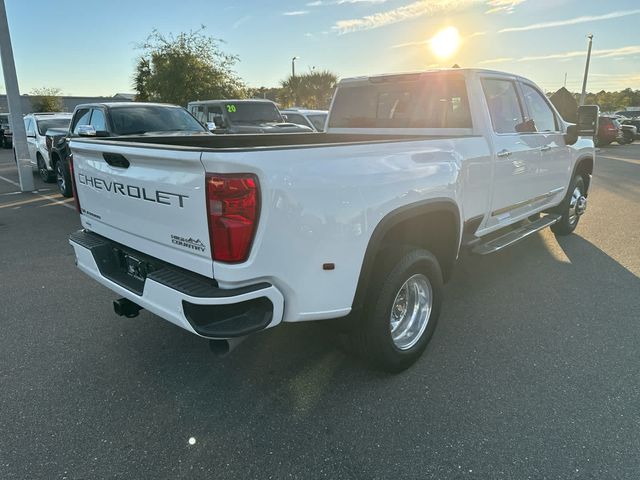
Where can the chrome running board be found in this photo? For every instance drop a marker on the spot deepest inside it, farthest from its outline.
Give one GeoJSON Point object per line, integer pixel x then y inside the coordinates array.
{"type": "Point", "coordinates": [513, 236]}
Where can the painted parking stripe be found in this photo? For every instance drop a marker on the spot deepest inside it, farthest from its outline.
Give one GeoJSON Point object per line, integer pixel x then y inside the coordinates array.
{"type": "Point", "coordinates": [41, 198]}
{"type": "Point", "coordinates": [52, 198]}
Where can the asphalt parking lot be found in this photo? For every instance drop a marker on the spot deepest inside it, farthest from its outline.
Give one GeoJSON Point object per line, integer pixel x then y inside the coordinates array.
{"type": "Point", "coordinates": [533, 372]}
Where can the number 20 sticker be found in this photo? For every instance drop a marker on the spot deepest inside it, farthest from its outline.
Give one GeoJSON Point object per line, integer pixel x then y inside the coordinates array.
{"type": "Point", "coordinates": [231, 108]}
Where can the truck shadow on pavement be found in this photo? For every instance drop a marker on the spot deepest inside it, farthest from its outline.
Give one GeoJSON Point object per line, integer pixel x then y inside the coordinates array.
{"type": "Point", "coordinates": [535, 296]}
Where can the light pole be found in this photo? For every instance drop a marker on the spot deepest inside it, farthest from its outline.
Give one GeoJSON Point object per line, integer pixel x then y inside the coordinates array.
{"type": "Point", "coordinates": [586, 71]}
{"type": "Point", "coordinates": [25, 173]}
{"type": "Point", "coordinates": [293, 66]}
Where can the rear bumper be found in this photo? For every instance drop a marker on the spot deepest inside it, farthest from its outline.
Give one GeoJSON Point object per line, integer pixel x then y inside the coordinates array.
{"type": "Point", "coordinates": [188, 300]}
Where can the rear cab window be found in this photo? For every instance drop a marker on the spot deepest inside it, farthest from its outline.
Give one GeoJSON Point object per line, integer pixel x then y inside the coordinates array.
{"type": "Point", "coordinates": [425, 101]}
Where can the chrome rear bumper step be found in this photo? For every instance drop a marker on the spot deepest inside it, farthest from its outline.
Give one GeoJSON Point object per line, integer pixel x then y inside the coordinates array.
{"type": "Point", "coordinates": [509, 238]}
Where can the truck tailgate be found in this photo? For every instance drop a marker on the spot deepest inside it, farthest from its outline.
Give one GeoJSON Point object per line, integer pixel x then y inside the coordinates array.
{"type": "Point", "coordinates": [150, 199]}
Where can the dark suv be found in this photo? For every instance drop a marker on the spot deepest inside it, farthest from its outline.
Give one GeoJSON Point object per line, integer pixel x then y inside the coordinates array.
{"type": "Point", "coordinates": [114, 120]}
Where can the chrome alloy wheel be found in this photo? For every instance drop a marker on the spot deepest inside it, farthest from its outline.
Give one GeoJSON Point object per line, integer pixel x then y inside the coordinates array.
{"type": "Point", "coordinates": [62, 184]}
{"type": "Point", "coordinates": [577, 205]}
{"type": "Point", "coordinates": [411, 311]}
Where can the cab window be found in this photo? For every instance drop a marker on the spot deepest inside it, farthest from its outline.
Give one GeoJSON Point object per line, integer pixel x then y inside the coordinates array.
{"type": "Point", "coordinates": [198, 112]}
{"type": "Point", "coordinates": [212, 111]}
{"type": "Point", "coordinates": [504, 105]}
{"type": "Point", "coordinates": [81, 118]}
{"type": "Point", "coordinates": [98, 121]}
{"type": "Point", "coordinates": [539, 109]}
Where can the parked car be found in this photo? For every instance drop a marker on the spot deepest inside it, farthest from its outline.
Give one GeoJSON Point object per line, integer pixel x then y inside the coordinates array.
{"type": "Point", "coordinates": [6, 133]}
{"type": "Point", "coordinates": [628, 113]}
{"type": "Point", "coordinates": [243, 116]}
{"type": "Point", "coordinates": [629, 133]}
{"type": "Point", "coordinates": [608, 131]}
{"type": "Point", "coordinates": [314, 119]}
{"type": "Point", "coordinates": [635, 122]}
{"type": "Point", "coordinates": [232, 234]}
{"type": "Point", "coordinates": [36, 126]}
{"type": "Point", "coordinates": [117, 119]}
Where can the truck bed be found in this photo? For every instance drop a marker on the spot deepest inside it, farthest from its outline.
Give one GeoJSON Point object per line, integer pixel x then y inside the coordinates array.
{"type": "Point", "coordinates": [262, 141]}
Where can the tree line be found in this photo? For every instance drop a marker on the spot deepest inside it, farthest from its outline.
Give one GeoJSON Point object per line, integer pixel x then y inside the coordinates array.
{"type": "Point", "coordinates": [192, 66]}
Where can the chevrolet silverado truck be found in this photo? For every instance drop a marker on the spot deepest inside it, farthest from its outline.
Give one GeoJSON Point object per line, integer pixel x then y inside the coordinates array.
{"type": "Point", "coordinates": [113, 119]}
{"type": "Point", "coordinates": [230, 235]}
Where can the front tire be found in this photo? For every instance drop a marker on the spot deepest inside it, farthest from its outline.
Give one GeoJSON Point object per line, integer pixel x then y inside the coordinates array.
{"type": "Point", "coordinates": [46, 175]}
{"type": "Point", "coordinates": [63, 178]}
{"type": "Point", "coordinates": [572, 208]}
{"type": "Point", "coordinates": [403, 306]}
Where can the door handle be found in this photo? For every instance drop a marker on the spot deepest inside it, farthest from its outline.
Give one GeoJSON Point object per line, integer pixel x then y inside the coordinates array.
{"type": "Point", "coordinates": [504, 153]}
{"type": "Point", "coordinates": [546, 148]}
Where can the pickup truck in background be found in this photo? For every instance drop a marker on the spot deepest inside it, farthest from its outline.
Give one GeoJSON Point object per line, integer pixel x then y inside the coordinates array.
{"type": "Point", "coordinates": [115, 119]}
{"type": "Point", "coordinates": [229, 235]}
{"type": "Point", "coordinates": [37, 125]}
{"type": "Point", "coordinates": [243, 116]}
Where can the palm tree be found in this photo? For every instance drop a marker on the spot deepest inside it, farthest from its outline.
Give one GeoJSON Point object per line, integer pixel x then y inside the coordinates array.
{"type": "Point", "coordinates": [310, 90]}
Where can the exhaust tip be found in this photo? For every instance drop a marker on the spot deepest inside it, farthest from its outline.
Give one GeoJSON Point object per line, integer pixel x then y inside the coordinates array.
{"type": "Point", "coordinates": [222, 348]}
{"type": "Point", "coordinates": [126, 308]}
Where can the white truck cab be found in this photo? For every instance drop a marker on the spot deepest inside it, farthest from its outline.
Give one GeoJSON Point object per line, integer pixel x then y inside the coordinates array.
{"type": "Point", "coordinates": [232, 234]}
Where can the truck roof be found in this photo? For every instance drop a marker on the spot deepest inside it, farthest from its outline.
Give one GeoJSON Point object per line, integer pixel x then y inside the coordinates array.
{"type": "Point", "coordinates": [125, 104]}
{"type": "Point", "coordinates": [408, 76]}
{"type": "Point", "coordinates": [234, 100]}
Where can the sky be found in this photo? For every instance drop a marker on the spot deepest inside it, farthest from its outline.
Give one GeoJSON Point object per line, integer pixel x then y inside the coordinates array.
{"type": "Point", "coordinates": [90, 48]}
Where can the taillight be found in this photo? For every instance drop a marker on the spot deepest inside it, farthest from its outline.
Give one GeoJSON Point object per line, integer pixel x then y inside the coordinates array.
{"type": "Point", "coordinates": [233, 206]}
{"type": "Point", "coordinates": [73, 182]}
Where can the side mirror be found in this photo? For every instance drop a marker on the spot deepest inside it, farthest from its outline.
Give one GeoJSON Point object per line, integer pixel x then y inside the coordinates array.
{"type": "Point", "coordinates": [572, 135]}
{"type": "Point", "coordinates": [588, 120]}
{"type": "Point", "coordinates": [211, 126]}
{"type": "Point", "coordinates": [86, 131]}
{"type": "Point", "coordinates": [285, 118]}
{"type": "Point", "coordinates": [587, 125]}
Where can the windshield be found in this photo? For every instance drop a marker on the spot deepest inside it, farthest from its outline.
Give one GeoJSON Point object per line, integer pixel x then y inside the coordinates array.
{"type": "Point", "coordinates": [46, 124]}
{"type": "Point", "coordinates": [152, 118]}
{"type": "Point", "coordinates": [253, 113]}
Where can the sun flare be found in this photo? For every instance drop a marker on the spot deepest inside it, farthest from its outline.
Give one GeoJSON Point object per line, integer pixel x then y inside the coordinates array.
{"type": "Point", "coordinates": [446, 42]}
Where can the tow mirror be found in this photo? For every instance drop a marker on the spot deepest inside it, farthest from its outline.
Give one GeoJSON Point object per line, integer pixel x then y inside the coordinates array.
{"type": "Point", "coordinates": [86, 131]}
{"type": "Point", "coordinates": [587, 125]}
{"type": "Point", "coordinates": [588, 120]}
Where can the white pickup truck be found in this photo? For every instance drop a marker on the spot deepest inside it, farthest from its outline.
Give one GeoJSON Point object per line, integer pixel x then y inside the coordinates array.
{"type": "Point", "coordinates": [229, 235]}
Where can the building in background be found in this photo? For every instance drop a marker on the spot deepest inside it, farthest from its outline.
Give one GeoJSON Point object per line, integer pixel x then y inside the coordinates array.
{"type": "Point", "coordinates": [68, 102]}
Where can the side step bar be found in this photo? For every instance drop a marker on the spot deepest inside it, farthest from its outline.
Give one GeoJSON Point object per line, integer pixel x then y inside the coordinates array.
{"type": "Point", "coordinates": [509, 238]}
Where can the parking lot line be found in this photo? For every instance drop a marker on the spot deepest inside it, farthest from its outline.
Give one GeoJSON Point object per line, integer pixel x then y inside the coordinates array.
{"type": "Point", "coordinates": [59, 202]}
{"type": "Point", "coordinates": [51, 198]}
{"type": "Point", "coordinates": [40, 198]}
{"type": "Point", "coordinates": [8, 180]}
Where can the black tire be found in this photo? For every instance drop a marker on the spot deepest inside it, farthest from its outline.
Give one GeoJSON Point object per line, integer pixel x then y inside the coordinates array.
{"type": "Point", "coordinates": [63, 178]}
{"type": "Point", "coordinates": [371, 335]}
{"type": "Point", "coordinates": [46, 175]}
{"type": "Point", "coordinates": [571, 208]}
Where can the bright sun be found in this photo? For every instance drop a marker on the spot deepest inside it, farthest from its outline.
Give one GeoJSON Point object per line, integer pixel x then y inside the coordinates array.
{"type": "Point", "coordinates": [446, 42]}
